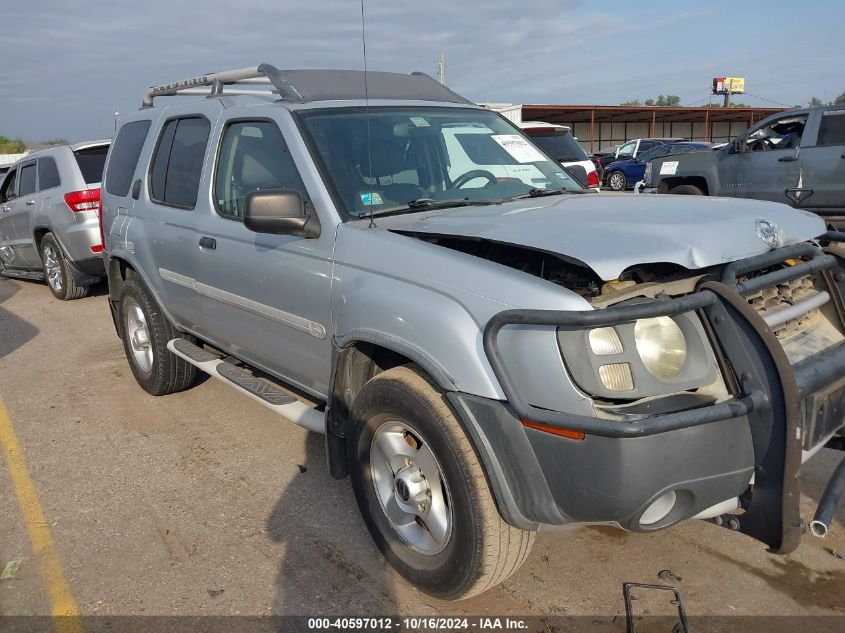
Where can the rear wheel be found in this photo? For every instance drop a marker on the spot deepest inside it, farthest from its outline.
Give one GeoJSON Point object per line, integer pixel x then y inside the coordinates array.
{"type": "Point", "coordinates": [146, 332]}
{"type": "Point", "coordinates": [617, 181]}
{"type": "Point", "coordinates": [56, 270]}
{"type": "Point", "coordinates": [423, 493]}
{"type": "Point", "coordinates": [686, 190]}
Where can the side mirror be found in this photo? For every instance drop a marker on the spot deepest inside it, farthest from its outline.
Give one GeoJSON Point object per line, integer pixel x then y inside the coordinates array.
{"type": "Point", "coordinates": [735, 146]}
{"type": "Point", "coordinates": [279, 212]}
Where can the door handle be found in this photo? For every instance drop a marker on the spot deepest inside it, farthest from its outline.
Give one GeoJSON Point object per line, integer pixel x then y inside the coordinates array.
{"type": "Point", "coordinates": [5, 209]}
{"type": "Point", "coordinates": [208, 242]}
{"type": "Point", "coordinates": [787, 159]}
{"type": "Point", "coordinates": [29, 203]}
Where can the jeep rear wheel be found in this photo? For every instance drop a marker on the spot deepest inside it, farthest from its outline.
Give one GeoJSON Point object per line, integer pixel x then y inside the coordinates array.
{"type": "Point", "coordinates": [422, 491]}
{"type": "Point", "coordinates": [146, 332]}
{"type": "Point", "coordinates": [57, 272]}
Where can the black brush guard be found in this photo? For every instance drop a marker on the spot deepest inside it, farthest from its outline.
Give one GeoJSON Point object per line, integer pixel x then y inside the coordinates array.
{"type": "Point", "coordinates": [767, 389]}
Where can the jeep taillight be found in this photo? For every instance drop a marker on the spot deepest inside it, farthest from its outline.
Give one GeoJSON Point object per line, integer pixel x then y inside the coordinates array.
{"type": "Point", "coordinates": [592, 179]}
{"type": "Point", "coordinates": [85, 200]}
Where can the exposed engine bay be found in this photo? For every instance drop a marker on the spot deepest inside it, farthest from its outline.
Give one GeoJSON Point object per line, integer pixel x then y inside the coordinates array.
{"type": "Point", "coordinates": [569, 273]}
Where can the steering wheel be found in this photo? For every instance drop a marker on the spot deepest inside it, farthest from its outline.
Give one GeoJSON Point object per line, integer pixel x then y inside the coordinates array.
{"type": "Point", "coordinates": [463, 179]}
{"type": "Point", "coordinates": [760, 145]}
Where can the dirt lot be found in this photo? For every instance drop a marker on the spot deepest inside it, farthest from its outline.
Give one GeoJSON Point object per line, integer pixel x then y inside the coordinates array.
{"type": "Point", "coordinates": [206, 503]}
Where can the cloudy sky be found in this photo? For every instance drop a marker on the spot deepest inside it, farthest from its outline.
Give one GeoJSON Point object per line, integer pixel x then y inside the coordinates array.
{"type": "Point", "coordinates": [68, 65]}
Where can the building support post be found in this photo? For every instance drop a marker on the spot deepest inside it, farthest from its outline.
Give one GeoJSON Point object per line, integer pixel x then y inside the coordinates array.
{"type": "Point", "coordinates": [592, 131]}
{"type": "Point", "coordinates": [707, 135]}
{"type": "Point", "coordinates": [652, 132]}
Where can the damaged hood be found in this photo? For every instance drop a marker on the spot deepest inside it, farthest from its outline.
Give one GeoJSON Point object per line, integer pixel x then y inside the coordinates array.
{"type": "Point", "coordinates": [610, 233]}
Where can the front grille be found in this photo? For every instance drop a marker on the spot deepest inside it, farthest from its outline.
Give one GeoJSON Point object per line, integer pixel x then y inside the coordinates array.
{"type": "Point", "coordinates": [769, 301]}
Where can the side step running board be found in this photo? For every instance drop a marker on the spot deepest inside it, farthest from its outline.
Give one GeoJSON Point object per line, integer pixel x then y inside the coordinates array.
{"type": "Point", "coordinates": [33, 275]}
{"type": "Point", "coordinates": [258, 389]}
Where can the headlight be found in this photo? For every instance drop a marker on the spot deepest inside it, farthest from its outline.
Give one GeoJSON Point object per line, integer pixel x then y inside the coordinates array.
{"type": "Point", "coordinates": [661, 346]}
{"type": "Point", "coordinates": [648, 357]}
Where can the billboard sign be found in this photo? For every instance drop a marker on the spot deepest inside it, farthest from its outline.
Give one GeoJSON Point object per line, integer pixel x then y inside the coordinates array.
{"type": "Point", "coordinates": [724, 85]}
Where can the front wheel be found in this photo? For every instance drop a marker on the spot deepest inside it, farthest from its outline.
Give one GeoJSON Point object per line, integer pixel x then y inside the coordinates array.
{"type": "Point", "coordinates": [617, 181]}
{"type": "Point", "coordinates": [423, 493]}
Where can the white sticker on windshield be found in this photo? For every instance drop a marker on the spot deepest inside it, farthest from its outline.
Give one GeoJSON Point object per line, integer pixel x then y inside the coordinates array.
{"type": "Point", "coordinates": [669, 168]}
{"type": "Point", "coordinates": [521, 150]}
{"type": "Point", "coordinates": [420, 121]}
{"type": "Point", "coordinates": [562, 175]}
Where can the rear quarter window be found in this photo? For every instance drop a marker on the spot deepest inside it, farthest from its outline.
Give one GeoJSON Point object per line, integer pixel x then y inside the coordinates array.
{"type": "Point", "coordinates": [124, 157]}
{"type": "Point", "coordinates": [91, 161]}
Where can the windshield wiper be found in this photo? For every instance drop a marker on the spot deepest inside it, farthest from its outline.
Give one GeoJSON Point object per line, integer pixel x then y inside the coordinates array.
{"type": "Point", "coordinates": [423, 204]}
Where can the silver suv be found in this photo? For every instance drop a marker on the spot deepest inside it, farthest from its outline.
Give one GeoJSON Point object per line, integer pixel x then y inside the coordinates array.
{"type": "Point", "coordinates": [49, 226]}
{"type": "Point", "coordinates": [495, 351]}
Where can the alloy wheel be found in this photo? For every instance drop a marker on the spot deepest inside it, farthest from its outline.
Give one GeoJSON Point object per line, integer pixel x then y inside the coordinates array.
{"type": "Point", "coordinates": [410, 487]}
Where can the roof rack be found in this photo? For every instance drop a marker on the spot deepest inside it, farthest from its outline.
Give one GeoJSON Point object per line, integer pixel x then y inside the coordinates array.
{"type": "Point", "coordinates": [310, 85]}
{"type": "Point", "coordinates": [213, 84]}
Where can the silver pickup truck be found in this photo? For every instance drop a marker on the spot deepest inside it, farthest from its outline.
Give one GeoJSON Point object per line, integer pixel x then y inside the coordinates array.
{"type": "Point", "coordinates": [496, 351]}
{"type": "Point", "coordinates": [795, 157]}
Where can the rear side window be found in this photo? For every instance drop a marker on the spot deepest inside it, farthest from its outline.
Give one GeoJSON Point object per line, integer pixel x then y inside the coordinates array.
{"type": "Point", "coordinates": [832, 129]}
{"type": "Point", "coordinates": [27, 183]}
{"type": "Point", "coordinates": [91, 161]}
{"type": "Point", "coordinates": [48, 174]}
{"type": "Point", "coordinates": [177, 163]}
{"type": "Point", "coordinates": [124, 157]}
{"type": "Point", "coordinates": [561, 146]}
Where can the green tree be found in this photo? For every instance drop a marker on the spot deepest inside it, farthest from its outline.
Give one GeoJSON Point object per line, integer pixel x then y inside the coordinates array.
{"type": "Point", "coordinates": [55, 141]}
{"type": "Point", "coordinates": [840, 100]}
{"type": "Point", "coordinates": [670, 101]}
{"type": "Point", "coordinates": [815, 102]}
{"type": "Point", "coordinates": [11, 146]}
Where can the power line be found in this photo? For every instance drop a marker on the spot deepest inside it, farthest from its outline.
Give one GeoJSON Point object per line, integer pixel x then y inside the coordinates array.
{"type": "Point", "coordinates": [785, 105]}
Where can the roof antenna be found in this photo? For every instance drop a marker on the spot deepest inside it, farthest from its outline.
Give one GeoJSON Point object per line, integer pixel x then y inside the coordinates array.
{"type": "Point", "coordinates": [370, 197]}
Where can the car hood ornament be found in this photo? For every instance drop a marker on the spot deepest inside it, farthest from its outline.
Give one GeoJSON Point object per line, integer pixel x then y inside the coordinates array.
{"type": "Point", "coordinates": [769, 233]}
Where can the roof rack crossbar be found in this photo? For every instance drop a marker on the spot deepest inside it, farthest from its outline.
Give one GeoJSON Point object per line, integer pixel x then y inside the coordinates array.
{"type": "Point", "coordinates": [216, 82]}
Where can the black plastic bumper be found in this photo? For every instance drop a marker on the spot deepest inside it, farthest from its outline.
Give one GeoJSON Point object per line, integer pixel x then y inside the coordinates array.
{"type": "Point", "coordinates": [705, 455]}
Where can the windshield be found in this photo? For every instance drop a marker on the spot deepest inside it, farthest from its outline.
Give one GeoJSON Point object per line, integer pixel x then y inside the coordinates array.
{"type": "Point", "coordinates": [654, 152]}
{"type": "Point", "coordinates": [418, 157]}
{"type": "Point", "coordinates": [561, 145]}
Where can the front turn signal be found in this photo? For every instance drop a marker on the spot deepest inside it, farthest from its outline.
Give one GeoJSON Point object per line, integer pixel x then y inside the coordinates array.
{"type": "Point", "coordinates": [553, 430]}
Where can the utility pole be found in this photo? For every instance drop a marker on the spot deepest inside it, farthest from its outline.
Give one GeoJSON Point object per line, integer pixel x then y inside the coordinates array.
{"type": "Point", "coordinates": [728, 98]}
{"type": "Point", "coordinates": [441, 69]}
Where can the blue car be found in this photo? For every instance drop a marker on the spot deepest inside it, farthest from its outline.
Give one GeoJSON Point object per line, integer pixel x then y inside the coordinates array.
{"type": "Point", "coordinates": [624, 174]}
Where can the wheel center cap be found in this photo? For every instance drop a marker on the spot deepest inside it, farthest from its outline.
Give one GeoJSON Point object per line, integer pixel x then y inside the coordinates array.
{"type": "Point", "coordinates": [411, 486]}
{"type": "Point", "coordinates": [140, 339]}
{"type": "Point", "coordinates": [402, 490]}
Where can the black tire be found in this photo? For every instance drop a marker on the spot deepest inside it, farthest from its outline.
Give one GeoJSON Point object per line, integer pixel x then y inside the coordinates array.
{"type": "Point", "coordinates": [482, 550]}
{"type": "Point", "coordinates": [616, 181]}
{"type": "Point", "coordinates": [167, 372]}
{"type": "Point", "coordinates": [57, 272]}
{"type": "Point", "coordinates": [686, 190]}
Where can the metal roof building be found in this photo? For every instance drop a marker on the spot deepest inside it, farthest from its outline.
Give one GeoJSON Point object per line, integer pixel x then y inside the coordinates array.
{"type": "Point", "coordinates": [598, 126]}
